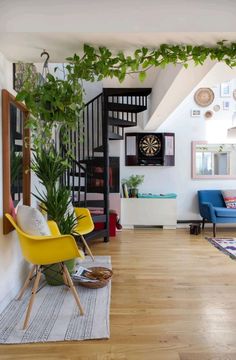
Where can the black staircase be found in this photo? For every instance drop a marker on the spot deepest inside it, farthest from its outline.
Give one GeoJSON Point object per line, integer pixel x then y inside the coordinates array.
{"type": "Point", "coordinates": [104, 118]}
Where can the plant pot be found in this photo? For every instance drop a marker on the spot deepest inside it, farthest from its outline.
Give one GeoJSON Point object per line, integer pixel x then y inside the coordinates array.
{"type": "Point", "coordinates": [52, 273]}
{"type": "Point", "coordinates": [133, 193]}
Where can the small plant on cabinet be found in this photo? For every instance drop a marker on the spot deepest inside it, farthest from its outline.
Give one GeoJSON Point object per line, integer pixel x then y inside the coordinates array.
{"type": "Point", "coordinates": [133, 183]}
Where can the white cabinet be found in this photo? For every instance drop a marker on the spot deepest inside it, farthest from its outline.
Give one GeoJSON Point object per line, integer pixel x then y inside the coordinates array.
{"type": "Point", "coordinates": [148, 212]}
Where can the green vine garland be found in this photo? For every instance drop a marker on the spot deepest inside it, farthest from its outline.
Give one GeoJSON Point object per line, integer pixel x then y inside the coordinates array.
{"type": "Point", "coordinates": [57, 102]}
{"type": "Point", "coordinates": [97, 64]}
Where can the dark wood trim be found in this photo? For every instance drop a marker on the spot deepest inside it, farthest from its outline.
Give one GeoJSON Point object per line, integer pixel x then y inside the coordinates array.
{"type": "Point", "coordinates": [7, 227]}
{"type": "Point", "coordinates": [7, 99]}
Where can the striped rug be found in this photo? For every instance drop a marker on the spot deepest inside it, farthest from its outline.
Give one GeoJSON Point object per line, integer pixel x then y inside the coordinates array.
{"type": "Point", "coordinates": [55, 315]}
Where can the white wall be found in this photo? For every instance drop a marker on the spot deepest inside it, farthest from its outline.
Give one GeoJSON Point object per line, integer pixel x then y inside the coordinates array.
{"type": "Point", "coordinates": [12, 266]}
{"type": "Point", "coordinates": [187, 129]}
{"type": "Point", "coordinates": [164, 80]}
{"type": "Point", "coordinates": [174, 84]}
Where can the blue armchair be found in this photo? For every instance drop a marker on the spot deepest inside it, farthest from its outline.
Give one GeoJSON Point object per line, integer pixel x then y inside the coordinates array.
{"type": "Point", "coordinates": [212, 208]}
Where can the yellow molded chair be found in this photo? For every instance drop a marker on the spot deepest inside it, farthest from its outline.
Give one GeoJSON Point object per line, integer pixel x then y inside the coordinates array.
{"type": "Point", "coordinates": [85, 226]}
{"type": "Point", "coordinates": [45, 250]}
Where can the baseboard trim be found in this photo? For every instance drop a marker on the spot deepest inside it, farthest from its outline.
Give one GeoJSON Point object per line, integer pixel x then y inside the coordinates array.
{"type": "Point", "coordinates": [190, 221]}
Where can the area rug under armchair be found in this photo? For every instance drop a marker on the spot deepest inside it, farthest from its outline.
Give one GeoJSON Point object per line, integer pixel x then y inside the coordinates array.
{"type": "Point", "coordinates": [225, 245]}
{"type": "Point", "coordinates": [55, 315]}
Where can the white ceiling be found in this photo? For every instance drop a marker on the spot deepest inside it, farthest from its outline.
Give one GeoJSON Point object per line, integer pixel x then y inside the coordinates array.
{"type": "Point", "coordinates": [117, 16]}
{"type": "Point", "coordinates": [62, 27]}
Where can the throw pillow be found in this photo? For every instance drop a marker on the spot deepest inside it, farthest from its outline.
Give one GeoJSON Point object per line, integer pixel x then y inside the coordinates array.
{"type": "Point", "coordinates": [229, 198]}
{"type": "Point", "coordinates": [31, 221]}
{"type": "Point", "coordinates": [70, 210]}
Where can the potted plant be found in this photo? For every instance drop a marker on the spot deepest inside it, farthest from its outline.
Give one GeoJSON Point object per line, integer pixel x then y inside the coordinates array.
{"type": "Point", "coordinates": [54, 106]}
{"type": "Point", "coordinates": [133, 183]}
{"type": "Point", "coordinates": [54, 200]}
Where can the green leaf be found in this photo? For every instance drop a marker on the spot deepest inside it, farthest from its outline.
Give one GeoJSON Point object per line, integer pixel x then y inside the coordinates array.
{"type": "Point", "coordinates": [142, 76]}
{"type": "Point", "coordinates": [21, 95]}
{"type": "Point", "coordinates": [73, 106]}
{"type": "Point", "coordinates": [144, 51]}
{"type": "Point", "coordinates": [146, 63]}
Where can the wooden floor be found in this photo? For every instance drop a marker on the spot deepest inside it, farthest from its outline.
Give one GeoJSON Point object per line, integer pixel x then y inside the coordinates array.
{"type": "Point", "coordinates": [173, 298]}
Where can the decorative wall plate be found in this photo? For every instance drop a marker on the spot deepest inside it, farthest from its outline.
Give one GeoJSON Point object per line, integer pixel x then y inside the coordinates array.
{"type": "Point", "coordinates": [216, 108]}
{"type": "Point", "coordinates": [204, 97]}
{"type": "Point", "coordinates": [234, 94]}
{"type": "Point", "coordinates": [208, 114]}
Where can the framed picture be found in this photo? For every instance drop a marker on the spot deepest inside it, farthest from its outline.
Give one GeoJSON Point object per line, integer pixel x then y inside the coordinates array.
{"type": "Point", "coordinates": [225, 89]}
{"type": "Point", "coordinates": [195, 112]}
{"type": "Point", "coordinates": [19, 72]}
{"type": "Point", "coordinates": [226, 105]}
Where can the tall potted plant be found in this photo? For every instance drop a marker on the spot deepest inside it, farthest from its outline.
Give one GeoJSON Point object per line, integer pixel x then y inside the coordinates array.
{"type": "Point", "coordinates": [55, 200]}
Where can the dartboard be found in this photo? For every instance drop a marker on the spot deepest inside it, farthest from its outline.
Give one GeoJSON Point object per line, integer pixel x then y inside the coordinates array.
{"type": "Point", "coordinates": [150, 145]}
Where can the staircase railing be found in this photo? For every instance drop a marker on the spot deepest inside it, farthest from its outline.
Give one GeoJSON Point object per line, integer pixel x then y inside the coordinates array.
{"type": "Point", "coordinates": [91, 128]}
{"type": "Point", "coordinates": [103, 118]}
{"type": "Point", "coordinates": [86, 142]}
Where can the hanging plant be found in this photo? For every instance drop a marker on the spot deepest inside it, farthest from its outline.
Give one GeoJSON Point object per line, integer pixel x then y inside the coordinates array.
{"type": "Point", "coordinates": [53, 104]}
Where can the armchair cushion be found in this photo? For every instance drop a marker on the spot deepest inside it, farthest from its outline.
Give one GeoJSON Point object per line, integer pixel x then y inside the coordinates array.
{"type": "Point", "coordinates": [225, 212]}
{"type": "Point", "coordinates": [229, 198]}
{"type": "Point", "coordinates": [31, 221]}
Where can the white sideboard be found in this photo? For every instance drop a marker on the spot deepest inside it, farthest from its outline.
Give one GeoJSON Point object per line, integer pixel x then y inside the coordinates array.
{"type": "Point", "coordinates": [149, 212]}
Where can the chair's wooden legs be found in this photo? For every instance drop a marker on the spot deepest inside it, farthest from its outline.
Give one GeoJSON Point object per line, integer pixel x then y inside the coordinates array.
{"type": "Point", "coordinates": [72, 288]}
{"type": "Point", "coordinates": [87, 247]}
{"type": "Point", "coordinates": [32, 298]}
{"type": "Point", "coordinates": [64, 275]}
{"type": "Point", "coordinates": [203, 223]}
{"type": "Point", "coordinates": [214, 230]}
{"type": "Point", "coordinates": [27, 281]}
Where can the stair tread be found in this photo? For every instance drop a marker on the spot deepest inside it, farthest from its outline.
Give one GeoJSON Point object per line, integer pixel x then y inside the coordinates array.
{"type": "Point", "coordinates": [77, 188]}
{"type": "Point", "coordinates": [127, 91]}
{"type": "Point", "coordinates": [90, 189]}
{"type": "Point", "coordinates": [76, 173]}
{"type": "Point", "coordinates": [97, 159]}
{"type": "Point", "coordinates": [120, 122]}
{"type": "Point", "coordinates": [114, 136]}
{"type": "Point", "coordinates": [18, 136]}
{"type": "Point", "coordinates": [98, 149]}
{"type": "Point", "coordinates": [97, 218]}
{"type": "Point", "coordinates": [90, 203]}
{"type": "Point", "coordinates": [96, 190]}
{"type": "Point", "coordinates": [18, 148]}
{"type": "Point", "coordinates": [126, 107]}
